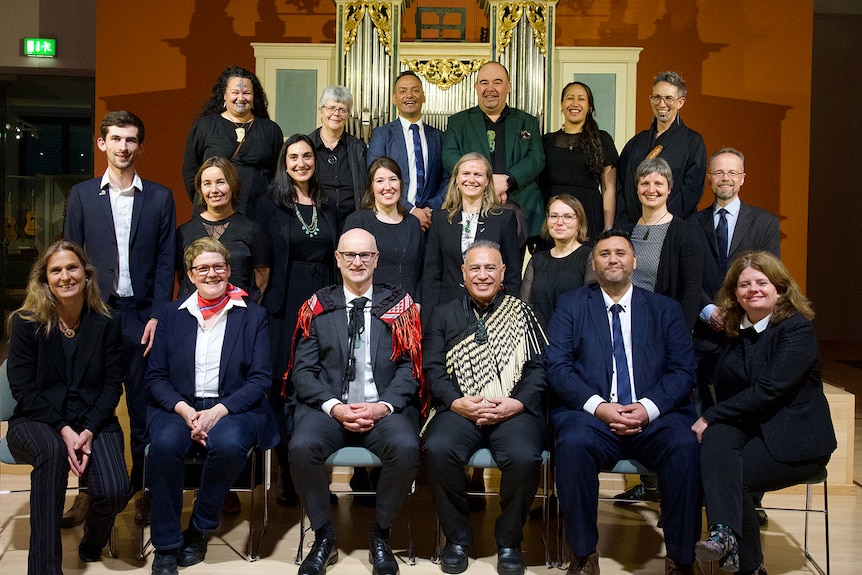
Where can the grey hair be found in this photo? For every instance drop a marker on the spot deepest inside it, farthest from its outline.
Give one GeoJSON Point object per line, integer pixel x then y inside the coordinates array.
{"type": "Point", "coordinates": [658, 166]}
{"type": "Point", "coordinates": [338, 94]}
{"type": "Point", "coordinates": [728, 150]}
{"type": "Point", "coordinates": [672, 78]}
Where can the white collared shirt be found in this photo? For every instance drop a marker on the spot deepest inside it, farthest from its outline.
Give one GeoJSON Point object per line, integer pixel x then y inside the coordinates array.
{"type": "Point", "coordinates": [122, 203]}
{"type": "Point", "coordinates": [732, 217]}
{"type": "Point", "coordinates": [208, 345]}
{"type": "Point", "coordinates": [410, 192]}
{"type": "Point", "coordinates": [626, 327]}
{"type": "Point", "coordinates": [759, 326]}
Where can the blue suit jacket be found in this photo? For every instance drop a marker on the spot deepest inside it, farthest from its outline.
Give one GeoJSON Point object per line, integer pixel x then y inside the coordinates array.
{"type": "Point", "coordinates": [244, 369]}
{"type": "Point", "coordinates": [90, 223]}
{"type": "Point", "coordinates": [388, 140]}
{"type": "Point", "coordinates": [579, 360]}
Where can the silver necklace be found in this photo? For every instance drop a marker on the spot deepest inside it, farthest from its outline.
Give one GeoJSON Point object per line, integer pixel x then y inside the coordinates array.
{"type": "Point", "coordinates": [311, 229]}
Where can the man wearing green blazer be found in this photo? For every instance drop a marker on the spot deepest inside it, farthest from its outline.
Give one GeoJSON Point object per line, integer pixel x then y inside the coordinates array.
{"type": "Point", "coordinates": [508, 137]}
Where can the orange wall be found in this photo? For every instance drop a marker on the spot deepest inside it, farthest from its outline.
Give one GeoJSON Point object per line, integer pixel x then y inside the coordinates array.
{"type": "Point", "coordinates": [747, 64]}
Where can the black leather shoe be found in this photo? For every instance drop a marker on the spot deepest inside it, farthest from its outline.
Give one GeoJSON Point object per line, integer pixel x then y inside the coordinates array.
{"type": "Point", "coordinates": [194, 548]}
{"type": "Point", "coordinates": [510, 561]}
{"type": "Point", "coordinates": [453, 559]}
{"type": "Point", "coordinates": [323, 554]}
{"type": "Point", "coordinates": [89, 553]}
{"type": "Point", "coordinates": [638, 493]}
{"type": "Point", "coordinates": [381, 557]}
{"type": "Point", "coordinates": [165, 563]}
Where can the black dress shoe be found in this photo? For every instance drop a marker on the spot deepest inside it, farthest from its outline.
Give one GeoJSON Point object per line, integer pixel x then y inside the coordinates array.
{"type": "Point", "coordinates": [323, 554]}
{"type": "Point", "coordinates": [510, 561]}
{"type": "Point", "coordinates": [194, 548]}
{"type": "Point", "coordinates": [88, 552]}
{"type": "Point", "coordinates": [638, 493]}
{"type": "Point", "coordinates": [165, 562]}
{"type": "Point", "coordinates": [381, 557]}
{"type": "Point", "coordinates": [453, 559]}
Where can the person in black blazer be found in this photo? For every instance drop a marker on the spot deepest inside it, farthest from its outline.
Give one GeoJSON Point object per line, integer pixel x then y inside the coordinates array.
{"type": "Point", "coordinates": [597, 420]}
{"type": "Point", "coordinates": [770, 427]}
{"type": "Point", "coordinates": [131, 243]}
{"type": "Point", "coordinates": [208, 382]}
{"type": "Point", "coordinates": [355, 371]}
{"type": "Point", "coordinates": [396, 140]}
{"type": "Point", "coordinates": [65, 372]}
{"type": "Point", "coordinates": [471, 212]}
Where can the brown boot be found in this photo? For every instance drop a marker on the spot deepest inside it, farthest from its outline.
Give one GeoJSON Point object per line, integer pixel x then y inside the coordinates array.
{"type": "Point", "coordinates": [76, 514]}
{"type": "Point", "coordinates": [588, 565]}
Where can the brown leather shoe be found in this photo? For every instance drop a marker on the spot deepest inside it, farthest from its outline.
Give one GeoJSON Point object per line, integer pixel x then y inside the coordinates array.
{"type": "Point", "coordinates": [77, 513]}
{"type": "Point", "coordinates": [672, 568]}
{"type": "Point", "coordinates": [588, 565]}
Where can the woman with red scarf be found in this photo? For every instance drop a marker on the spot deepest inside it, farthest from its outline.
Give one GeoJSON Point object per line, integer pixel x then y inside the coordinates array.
{"type": "Point", "coordinates": [208, 378]}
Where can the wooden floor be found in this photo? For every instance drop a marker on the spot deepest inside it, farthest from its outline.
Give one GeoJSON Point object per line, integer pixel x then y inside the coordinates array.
{"type": "Point", "coordinates": [629, 542]}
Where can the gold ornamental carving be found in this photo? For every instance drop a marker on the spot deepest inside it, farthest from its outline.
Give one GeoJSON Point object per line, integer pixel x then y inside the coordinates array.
{"type": "Point", "coordinates": [380, 14]}
{"type": "Point", "coordinates": [444, 73]}
{"type": "Point", "coordinates": [537, 16]}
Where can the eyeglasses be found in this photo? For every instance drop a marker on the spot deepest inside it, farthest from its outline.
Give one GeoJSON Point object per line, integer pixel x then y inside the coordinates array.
{"type": "Point", "coordinates": [567, 218]}
{"type": "Point", "coordinates": [655, 99]}
{"type": "Point", "coordinates": [365, 257]}
{"type": "Point", "coordinates": [204, 270]}
{"type": "Point", "coordinates": [335, 110]}
{"type": "Point", "coordinates": [731, 174]}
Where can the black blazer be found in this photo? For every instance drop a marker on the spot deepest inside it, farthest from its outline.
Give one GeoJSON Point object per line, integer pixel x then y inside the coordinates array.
{"type": "Point", "coordinates": [90, 224]}
{"type": "Point", "coordinates": [782, 393]}
{"type": "Point", "coordinates": [37, 373]}
{"type": "Point", "coordinates": [320, 359]}
{"type": "Point", "coordinates": [442, 278]}
{"type": "Point", "coordinates": [680, 267]}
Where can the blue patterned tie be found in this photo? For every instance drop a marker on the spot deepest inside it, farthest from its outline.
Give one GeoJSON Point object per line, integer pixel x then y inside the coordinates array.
{"type": "Point", "coordinates": [721, 236]}
{"type": "Point", "coordinates": [624, 385]}
{"type": "Point", "coordinates": [420, 160]}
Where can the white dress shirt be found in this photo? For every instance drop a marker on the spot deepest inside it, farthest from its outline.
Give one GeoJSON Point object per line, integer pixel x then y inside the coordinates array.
{"type": "Point", "coordinates": [122, 203]}
{"type": "Point", "coordinates": [410, 192]}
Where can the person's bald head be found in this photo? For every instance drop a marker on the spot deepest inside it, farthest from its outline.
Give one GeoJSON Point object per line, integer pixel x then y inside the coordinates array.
{"type": "Point", "coordinates": [357, 258]}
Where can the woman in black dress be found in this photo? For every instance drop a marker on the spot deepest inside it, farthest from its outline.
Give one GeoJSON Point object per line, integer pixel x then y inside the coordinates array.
{"type": "Point", "coordinates": [234, 124]}
{"type": "Point", "coordinates": [304, 237]}
{"type": "Point", "coordinates": [581, 160]}
{"type": "Point", "coordinates": [551, 273]}
{"type": "Point", "coordinates": [770, 427]}
{"type": "Point", "coordinates": [218, 185]}
{"type": "Point", "coordinates": [399, 237]}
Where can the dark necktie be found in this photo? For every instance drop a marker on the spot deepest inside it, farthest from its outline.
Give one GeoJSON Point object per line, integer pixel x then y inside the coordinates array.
{"type": "Point", "coordinates": [420, 159]}
{"type": "Point", "coordinates": [624, 386]}
{"type": "Point", "coordinates": [355, 326]}
{"type": "Point", "coordinates": [721, 237]}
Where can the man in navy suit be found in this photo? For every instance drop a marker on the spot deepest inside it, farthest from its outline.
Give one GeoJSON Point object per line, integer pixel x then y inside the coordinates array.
{"type": "Point", "coordinates": [355, 370]}
{"type": "Point", "coordinates": [127, 226]}
{"type": "Point", "coordinates": [626, 395]}
{"type": "Point", "coordinates": [508, 137]}
{"type": "Point", "coordinates": [425, 182]}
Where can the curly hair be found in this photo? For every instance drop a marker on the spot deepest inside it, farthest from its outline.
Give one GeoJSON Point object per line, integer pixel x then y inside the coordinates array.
{"type": "Point", "coordinates": [230, 176]}
{"type": "Point", "coordinates": [590, 143]}
{"type": "Point", "coordinates": [790, 298]}
{"type": "Point", "coordinates": [40, 304]}
{"type": "Point", "coordinates": [454, 203]}
{"type": "Point", "coordinates": [215, 104]}
{"type": "Point", "coordinates": [282, 190]}
{"type": "Point", "coordinates": [385, 162]}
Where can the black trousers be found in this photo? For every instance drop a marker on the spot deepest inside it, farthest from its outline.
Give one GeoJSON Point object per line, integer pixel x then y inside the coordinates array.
{"type": "Point", "coordinates": [41, 446]}
{"type": "Point", "coordinates": [316, 436]}
{"type": "Point", "coordinates": [736, 467]}
{"type": "Point", "coordinates": [516, 445]}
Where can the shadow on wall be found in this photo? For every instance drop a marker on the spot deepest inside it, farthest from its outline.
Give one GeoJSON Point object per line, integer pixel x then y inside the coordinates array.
{"type": "Point", "coordinates": [211, 46]}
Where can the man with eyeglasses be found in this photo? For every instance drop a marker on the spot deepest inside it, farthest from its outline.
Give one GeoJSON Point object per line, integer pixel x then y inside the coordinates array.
{"type": "Point", "coordinates": [416, 147]}
{"type": "Point", "coordinates": [670, 139]}
{"type": "Point", "coordinates": [508, 137]}
{"type": "Point", "coordinates": [340, 157]}
{"type": "Point", "coordinates": [727, 228]}
{"type": "Point", "coordinates": [350, 391]}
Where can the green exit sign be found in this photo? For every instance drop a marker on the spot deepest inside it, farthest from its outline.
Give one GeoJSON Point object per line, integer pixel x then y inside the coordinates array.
{"type": "Point", "coordinates": [40, 47]}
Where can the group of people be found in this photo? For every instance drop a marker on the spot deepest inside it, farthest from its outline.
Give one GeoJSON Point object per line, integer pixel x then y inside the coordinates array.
{"type": "Point", "coordinates": [332, 295]}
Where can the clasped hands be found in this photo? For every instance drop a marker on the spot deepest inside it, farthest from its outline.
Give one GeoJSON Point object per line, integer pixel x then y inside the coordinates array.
{"type": "Point", "coordinates": [359, 417]}
{"type": "Point", "coordinates": [200, 422]}
{"type": "Point", "coordinates": [79, 446]}
{"type": "Point", "coordinates": [623, 419]}
{"type": "Point", "coordinates": [486, 411]}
